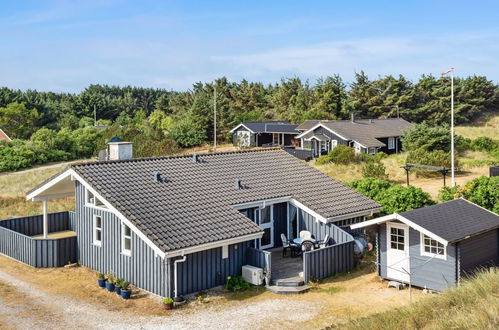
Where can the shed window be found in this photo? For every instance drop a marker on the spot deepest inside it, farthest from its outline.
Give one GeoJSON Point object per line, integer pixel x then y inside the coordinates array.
{"type": "Point", "coordinates": [391, 143]}
{"type": "Point", "coordinates": [431, 247]}
{"type": "Point", "coordinates": [397, 238]}
{"type": "Point", "coordinates": [97, 230]}
{"type": "Point", "coordinates": [126, 239]}
{"type": "Point", "coordinates": [225, 251]}
{"type": "Point", "coordinates": [92, 200]}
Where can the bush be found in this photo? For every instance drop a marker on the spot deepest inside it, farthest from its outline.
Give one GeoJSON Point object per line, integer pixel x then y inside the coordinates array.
{"type": "Point", "coordinates": [339, 155]}
{"type": "Point", "coordinates": [237, 283]}
{"type": "Point", "coordinates": [431, 138]}
{"type": "Point", "coordinates": [484, 143]}
{"type": "Point", "coordinates": [392, 197]}
{"type": "Point", "coordinates": [187, 134]}
{"type": "Point", "coordinates": [435, 158]}
{"type": "Point", "coordinates": [374, 169]}
{"type": "Point", "coordinates": [483, 191]}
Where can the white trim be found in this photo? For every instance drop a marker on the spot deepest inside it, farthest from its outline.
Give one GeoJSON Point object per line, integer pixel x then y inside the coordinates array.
{"type": "Point", "coordinates": [392, 139]}
{"type": "Point", "coordinates": [49, 184]}
{"type": "Point", "coordinates": [127, 252]}
{"type": "Point", "coordinates": [235, 128]}
{"type": "Point", "coordinates": [396, 216]}
{"type": "Point", "coordinates": [95, 230]}
{"type": "Point", "coordinates": [225, 251]}
{"type": "Point", "coordinates": [296, 203]}
{"type": "Point", "coordinates": [353, 215]}
{"type": "Point", "coordinates": [400, 273]}
{"type": "Point", "coordinates": [213, 245]}
{"type": "Point", "coordinates": [268, 225]}
{"type": "Point", "coordinates": [49, 197]}
{"type": "Point", "coordinates": [321, 125]}
{"type": "Point", "coordinates": [429, 254]}
{"type": "Point", "coordinates": [262, 202]}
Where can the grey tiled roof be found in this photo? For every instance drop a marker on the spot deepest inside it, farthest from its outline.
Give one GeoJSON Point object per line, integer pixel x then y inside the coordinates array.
{"type": "Point", "coordinates": [193, 205]}
{"type": "Point", "coordinates": [366, 131]}
{"type": "Point", "coordinates": [454, 220]}
{"type": "Point", "coordinates": [271, 127]}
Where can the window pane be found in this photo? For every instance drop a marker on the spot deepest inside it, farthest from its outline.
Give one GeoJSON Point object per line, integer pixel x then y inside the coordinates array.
{"type": "Point", "coordinates": [394, 245]}
{"type": "Point", "coordinates": [98, 202]}
{"type": "Point", "coordinates": [128, 244]}
{"type": "Point", "coordinates": [98, 235]}
{"type": "Point", "coordinates": [401, 239]}
{"type": "Point", "coordinates": [266, 237]}
{"type": "Point", "coordinates": [265, 215]}
{"type": "Point", "coordinates": [98, 222]}
{"type": "Point", "coordinates": [128, 232]}
{"type": "Point", "coordinates": [427, 249]}
{"type": "Point", "coordinates": [393, 230]}
{"type": "Point", "coordinates": [90, 197]}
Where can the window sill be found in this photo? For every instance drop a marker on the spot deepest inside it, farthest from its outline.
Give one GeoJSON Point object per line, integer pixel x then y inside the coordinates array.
{"type": "Point", "coordinates": [97, 244]}
{"type": "Point", "coordinates": [126, 253]}
{"type": "Point", "coordinates": [434, 256]}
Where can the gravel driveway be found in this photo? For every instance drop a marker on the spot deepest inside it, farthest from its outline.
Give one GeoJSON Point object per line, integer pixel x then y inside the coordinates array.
{"type": "Point", "coordinates": [46, 311]}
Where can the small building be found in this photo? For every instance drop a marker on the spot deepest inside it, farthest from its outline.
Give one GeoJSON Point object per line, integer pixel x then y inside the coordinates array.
{"type": "Point", "coordinates": [180, 224]}
{"type": "Point", "coordinates": [265, 134]}
{"type": "Point", "coordinates": [434, 247]}
{"type": "Point", "coordinates": [4, 136]}
{"type": "Point", "coordinates": [366, 136]}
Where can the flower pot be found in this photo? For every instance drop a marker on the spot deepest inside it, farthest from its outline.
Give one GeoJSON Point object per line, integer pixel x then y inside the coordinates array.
{"type": "Point", "coordinates": [168, 306]}
{"type": "Point", "coordinates": [117, 289]}
{"type": "Point", "coordinates": [102, 282]}
{"type": "Point", "coordinates": [125, 294]}
{"type": "Point", "coordinates": [109, 287]}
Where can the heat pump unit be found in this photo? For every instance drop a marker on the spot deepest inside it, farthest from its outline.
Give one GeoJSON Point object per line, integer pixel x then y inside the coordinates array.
{"type": "Point", "coordinates": [253, 275]}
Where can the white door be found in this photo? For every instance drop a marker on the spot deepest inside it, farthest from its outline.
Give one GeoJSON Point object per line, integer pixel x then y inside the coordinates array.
{"type": "Point", "coordinates": [267, 223]}
{"type": "Point", "coordinates": [397, 252]}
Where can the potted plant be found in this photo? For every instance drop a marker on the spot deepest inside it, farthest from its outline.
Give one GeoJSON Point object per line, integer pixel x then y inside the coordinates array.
{"type": "Point", "coordinates": [126, 292]}
{"type": "Point", "coordinates": [110, 282]}
{"type": "Point", "coordinates": [118, 285]}
{"type": "Point", "coordinates": [101, 279]}
{"type": "Point", "coordinates": [168, 303]}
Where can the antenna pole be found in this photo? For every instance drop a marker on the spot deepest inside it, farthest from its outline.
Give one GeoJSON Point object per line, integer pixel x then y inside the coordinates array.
{"type": "Point", "coordinates": [214, 118]}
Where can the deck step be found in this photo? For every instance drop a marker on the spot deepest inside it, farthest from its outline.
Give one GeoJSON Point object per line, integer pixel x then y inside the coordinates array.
{"type": "Point", "coordinates": [288, 289]}
{"type": "Point", "coordinates": [288, 283]}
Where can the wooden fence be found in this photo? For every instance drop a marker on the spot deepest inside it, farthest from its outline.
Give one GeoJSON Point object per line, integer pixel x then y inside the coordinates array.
{"type": "Point", "coordinates": [328, 261]}
{"type": "Point", "coordinates": [259, 258]}
{"type": "Point", "coordinates": [15, 240]}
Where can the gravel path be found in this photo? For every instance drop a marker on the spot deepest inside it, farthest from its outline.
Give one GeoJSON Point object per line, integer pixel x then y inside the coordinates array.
{"type": "Point", "coordinates": [60, 312]}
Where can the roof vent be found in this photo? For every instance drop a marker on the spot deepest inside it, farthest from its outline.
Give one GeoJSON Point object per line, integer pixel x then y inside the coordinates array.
{"type": "Point", "coordinates": [157, 177]}
{"type": "Point", "coordinates": [352, 117]}
{"type": "Point", "coordinates": [238, 184]}
{"type": "Point", "coordinates": [195, 158]}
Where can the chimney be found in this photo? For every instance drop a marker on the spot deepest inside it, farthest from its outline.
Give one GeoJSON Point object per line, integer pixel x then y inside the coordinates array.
{"type": "Point", "coordinates": [120, 150]}
{"type": "Point", "coordinates": [352, 117]}
{"type": "Point", "coordinates": [157, 177]}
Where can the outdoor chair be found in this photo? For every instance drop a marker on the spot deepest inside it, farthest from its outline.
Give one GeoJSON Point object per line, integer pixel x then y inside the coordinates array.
{"type": "Point", "coordinates": [324, 242]}
{"type": "Point", "coordinates": [288, 245]}
{"type": "Point", "coordinates": [307, 245]}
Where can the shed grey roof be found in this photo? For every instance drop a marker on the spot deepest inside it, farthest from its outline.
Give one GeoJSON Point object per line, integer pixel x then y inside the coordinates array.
{"type": "Point", "coordinates": [272, 127]}
{"type": "Point", "coordinates": [454, 220]}
{"type": "Point", "coordinates": [194, 205]}
{"type": "Point", "coordinates": [366, 131]}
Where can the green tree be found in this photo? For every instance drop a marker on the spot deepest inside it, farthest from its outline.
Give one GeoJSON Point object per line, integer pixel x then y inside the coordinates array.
{"type": "Point", "coordinates": [18, 121]}
{"type": "Point", "coordinates": [483, 191]}
{"type": "Point", "coordinates": [187, 134]}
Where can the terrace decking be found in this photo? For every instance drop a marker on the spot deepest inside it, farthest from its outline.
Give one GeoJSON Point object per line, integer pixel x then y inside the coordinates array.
{"type": "Point", "coordinates": [286, 271]}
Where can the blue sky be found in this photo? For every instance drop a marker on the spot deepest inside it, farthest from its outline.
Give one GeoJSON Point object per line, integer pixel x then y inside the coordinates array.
{"type": "Point", "coordinates": [67, 45]}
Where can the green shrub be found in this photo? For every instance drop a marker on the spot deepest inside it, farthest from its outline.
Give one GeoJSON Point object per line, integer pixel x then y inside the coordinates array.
{"type": "Point", "coordinates": [167, 301]}
{"type": "Point", "coordinates": [434, 158]}
{"type": "Point", "coordinates": [237, 283]}
{"type": "Point", "coordinates": [374, 169]}
{"type": "Point", "coordinates": [484, 143]}
{"type": "Point", "coordinates": [339, 155]}
{"type": "Point", "coordinates": [187, 134]}
{"type": "Point", "coordinates": [483, 191]}
{"type": "Point", "coordinates": [431, 138]}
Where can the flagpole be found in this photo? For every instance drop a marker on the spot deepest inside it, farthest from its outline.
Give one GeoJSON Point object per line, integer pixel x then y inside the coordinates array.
{"type": "Point", "coordinates": [214, 118]}
{"type": "Point", "coordinates": [451, 72]}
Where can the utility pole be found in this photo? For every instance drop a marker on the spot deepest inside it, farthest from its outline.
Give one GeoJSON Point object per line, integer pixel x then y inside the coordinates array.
{"type": "Point", "coordinates": [214, 118]}
{"type": "Point", "coordinates": [451, 72]}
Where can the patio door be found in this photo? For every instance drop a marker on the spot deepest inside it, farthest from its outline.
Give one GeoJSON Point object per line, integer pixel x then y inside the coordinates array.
{"type": "Point", "coordinates": [267, 223]}
{"type": "Point", "coordinates": [397, 252]}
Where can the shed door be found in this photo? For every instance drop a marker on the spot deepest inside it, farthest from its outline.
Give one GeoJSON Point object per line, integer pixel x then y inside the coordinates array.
{"type": "Point", "coordinates": [397, 252]}
{"type": "Point", "coordinates": [243, 138]}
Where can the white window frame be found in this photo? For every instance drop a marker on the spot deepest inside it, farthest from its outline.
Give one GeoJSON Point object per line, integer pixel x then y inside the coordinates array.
{"type": "Point", "coordinates": [95, 229]}
{"type": "Point", "coordinates": [391, 143]}
{"type": "Point", "coordinates": [225, 251]}
{"type": "Point", "coordinates": [429, 254]}
{"type": "Point", "coordinates": [125, 237]}
{"type": "Point", "coordinates": [334, 144]}
{"type": "Point", "coordinates": [94, 202]}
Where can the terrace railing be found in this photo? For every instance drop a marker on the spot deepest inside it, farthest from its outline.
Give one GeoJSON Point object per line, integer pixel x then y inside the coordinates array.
{"type": "Point", "coordinates": [328, 261]}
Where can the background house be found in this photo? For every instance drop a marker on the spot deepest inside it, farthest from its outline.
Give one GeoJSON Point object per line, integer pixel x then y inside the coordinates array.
{"type": "Point", "coordinates": [266, 133]}
{"type": "Point", "coordinates": [180, 224]}
{"type": "Point", "coordinates": [366, 136]}
{"type": "Point", "coordinates": [435, 246]}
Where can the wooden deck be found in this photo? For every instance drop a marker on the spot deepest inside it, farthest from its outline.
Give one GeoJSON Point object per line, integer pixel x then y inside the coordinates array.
{"type": "Point", "coordinates": [57, 235]}
{"type": "Point", "coordinates": [287, 269]}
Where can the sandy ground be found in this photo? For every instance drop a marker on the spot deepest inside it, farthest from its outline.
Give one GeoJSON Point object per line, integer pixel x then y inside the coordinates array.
{"type": "Point", "coordinates": [70, 298]}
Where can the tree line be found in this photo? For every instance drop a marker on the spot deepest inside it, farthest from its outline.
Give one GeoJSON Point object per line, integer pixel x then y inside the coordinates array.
{"type": "Point", "coordinates": [427, 100]}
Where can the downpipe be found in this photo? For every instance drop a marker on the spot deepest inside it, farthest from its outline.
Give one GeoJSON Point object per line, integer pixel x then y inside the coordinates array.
{"type": "Point", "coordinates": [175, 272]}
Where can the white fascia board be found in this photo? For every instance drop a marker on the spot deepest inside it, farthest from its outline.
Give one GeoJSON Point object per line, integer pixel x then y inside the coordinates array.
{"type": "Point", "coordinates": [261, 203]}
{"type": "Point", "coordinates": [49, 184]}
{"type": "Point", "coordinates": [235, 128]}
{"type": "Point", "coordinates": [308, 210]}
{"type": "Point", "coordinates": [354, 214]}
{"type": "Point", "coordinates": [213, 245]}
{"type": "Point", "coordinates": [49, 197]}
{"type": "Point", "coordinates": [323, 126]}
{"type": "Point", "coordinates": [400, 218]}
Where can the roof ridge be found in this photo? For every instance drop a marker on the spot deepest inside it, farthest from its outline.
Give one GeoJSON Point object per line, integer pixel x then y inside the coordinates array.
{"type": "Point", "coordinates": [130, 160]}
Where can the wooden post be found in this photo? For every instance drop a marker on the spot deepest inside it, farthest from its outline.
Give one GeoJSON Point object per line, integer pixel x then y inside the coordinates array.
{"type": "Point", "coordinates": [45, 220]}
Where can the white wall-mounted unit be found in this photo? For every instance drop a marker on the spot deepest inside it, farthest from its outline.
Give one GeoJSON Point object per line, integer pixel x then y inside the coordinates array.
{"type": "Point", "coordinates": [252, 274]}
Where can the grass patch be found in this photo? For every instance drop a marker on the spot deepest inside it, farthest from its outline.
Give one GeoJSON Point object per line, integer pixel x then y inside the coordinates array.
{"type": "Point", "coordinates": [473, 305]}
{"type": "Point", "coordinates": [487, 126]}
